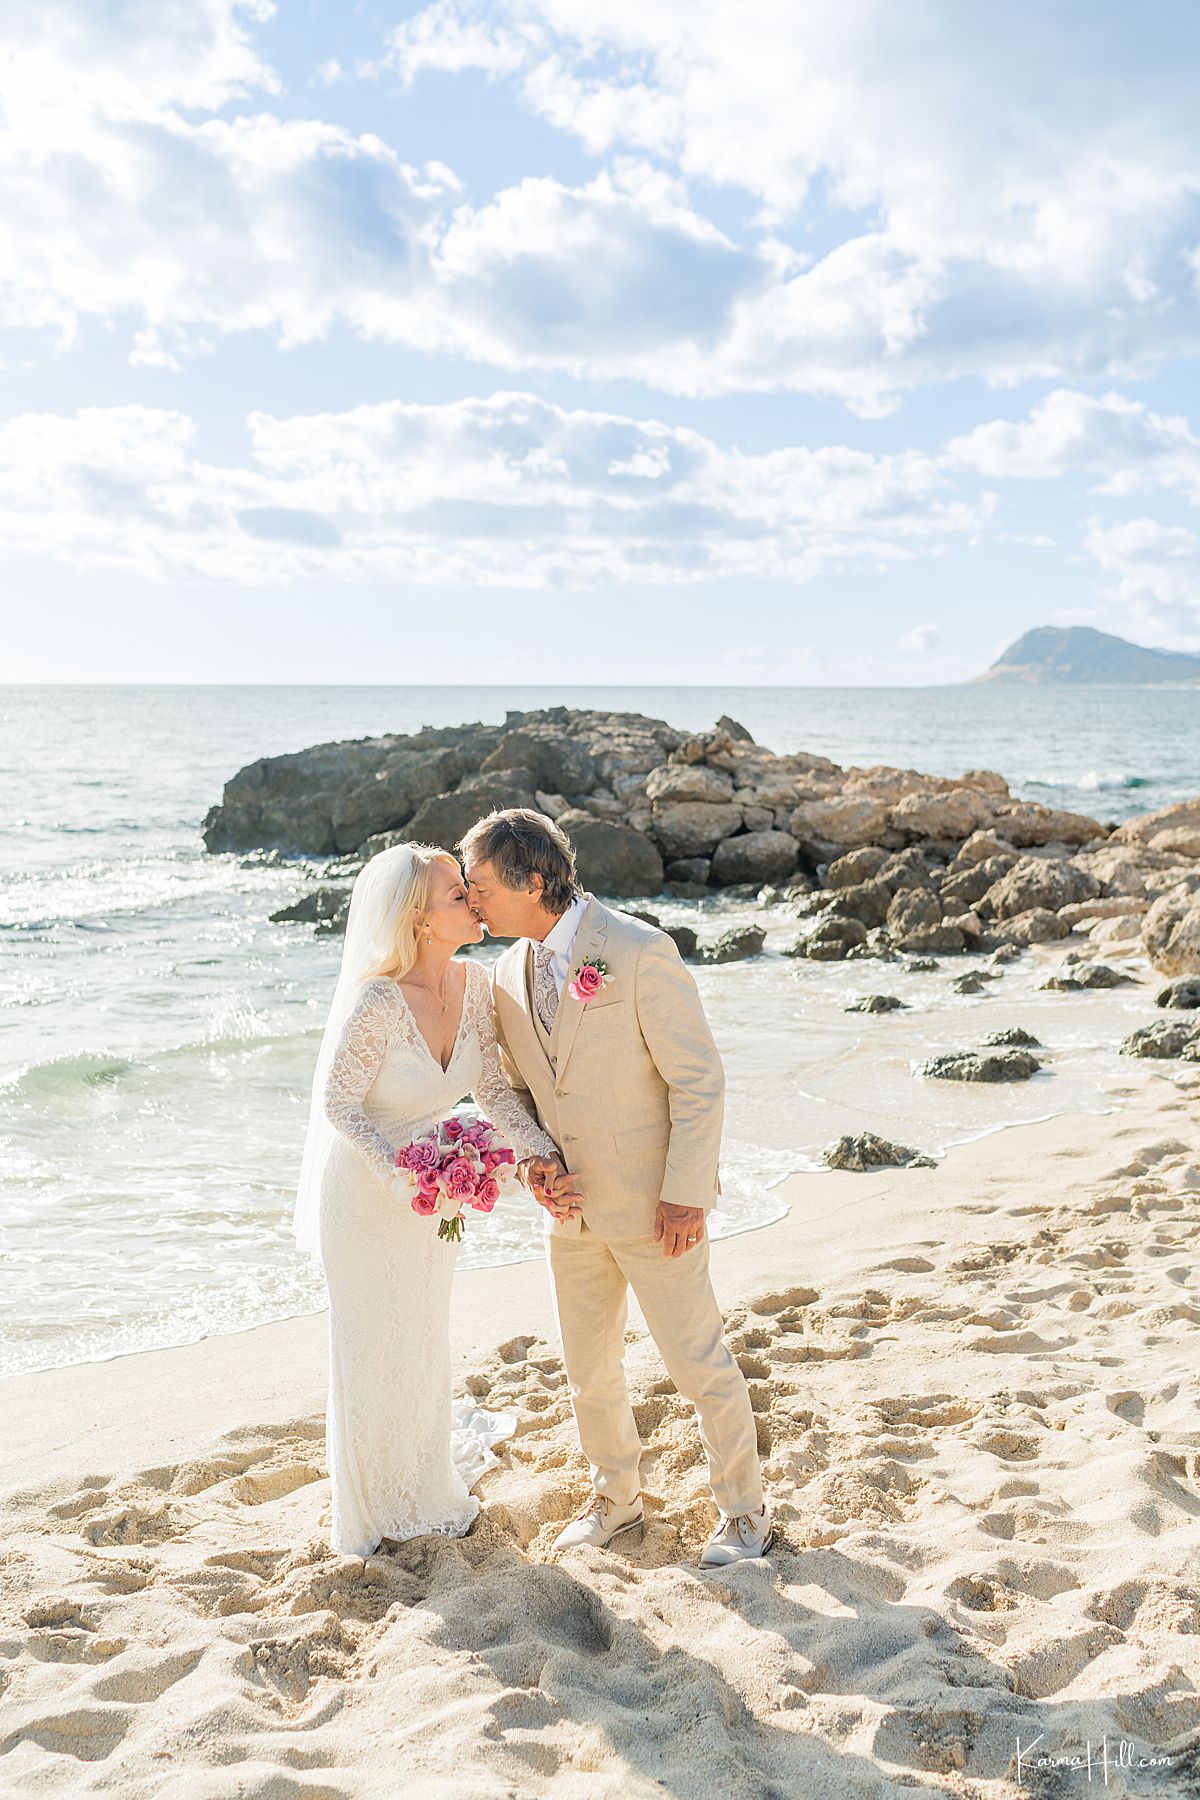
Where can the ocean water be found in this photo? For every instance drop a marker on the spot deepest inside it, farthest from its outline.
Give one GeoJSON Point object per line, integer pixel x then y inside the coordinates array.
{"type": "Point", "coordinates": [157, 1032]}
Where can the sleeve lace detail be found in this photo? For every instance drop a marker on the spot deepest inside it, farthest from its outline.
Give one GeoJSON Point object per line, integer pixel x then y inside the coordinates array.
{"type": "Point", "coordinates": [355, 1064]}
{"type": "Point", "coordinates": [492, 1094]}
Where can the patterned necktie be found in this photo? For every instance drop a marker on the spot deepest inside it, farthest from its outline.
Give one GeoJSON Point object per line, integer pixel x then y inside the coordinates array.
{"type": "Point", "coordinates": [545, 989]}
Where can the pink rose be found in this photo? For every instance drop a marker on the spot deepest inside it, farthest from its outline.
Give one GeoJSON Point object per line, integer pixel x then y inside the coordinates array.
{"type": "Point", "coordinates": [425, 1202]}
{"type": "Point", "coordinates": [423, 1154]}
{"type": "Point", "coordinates": [453, 1129]}
{"type": "Point", "coordinates": [486, 1195]}
{"type": "Point", "coordinates": [587, 983]}
{"type": "Point", "coordinates": [460, 1179]}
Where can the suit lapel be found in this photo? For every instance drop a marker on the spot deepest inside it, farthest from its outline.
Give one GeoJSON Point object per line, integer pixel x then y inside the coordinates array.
{"type": "Point", "coordinates": [589, 942]}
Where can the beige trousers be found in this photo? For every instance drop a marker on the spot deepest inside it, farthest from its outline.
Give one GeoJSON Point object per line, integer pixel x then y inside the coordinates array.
{"type": "Point", "coordinates": [591, 1279]}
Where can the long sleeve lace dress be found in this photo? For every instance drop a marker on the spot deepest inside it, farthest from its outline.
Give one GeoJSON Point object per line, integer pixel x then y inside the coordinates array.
{"type": "Point", "coordinates": [401, 1459]}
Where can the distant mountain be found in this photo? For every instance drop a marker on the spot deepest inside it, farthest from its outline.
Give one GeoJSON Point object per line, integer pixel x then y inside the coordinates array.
{"type": "Point", "coordinates": [1076, 655]}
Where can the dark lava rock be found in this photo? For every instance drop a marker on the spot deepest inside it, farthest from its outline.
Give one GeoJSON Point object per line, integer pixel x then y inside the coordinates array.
{"type": "Point", "coordinates": [647, 918]}
{"type": "Point", "coordinates": [973, 982]}
{"type": "Point", "coordinates": [1013, 1037]}
{"type": "Point", "coordinates": [875, 1003]}
{"type": "Point", "coordinates": [1163, 1039]}
{"type": "Point", "coordinates": [906, 869]}
{"type": "Point", "coordinates": [612, 858]}
{"type": "Point", "coordinates": [444, 819]}
{"type": "Point", "coordinates": [683, 938]}
{"type": "Point", "coordinates": [547, 758]}
{"type": "Point", "coordinates": [1006, 953]}
{"type": "Point", "coordinates": [1183, 994]}
{"type": "Point", "coordinates": [831, 940]}
{"type": "Point", "coordinates": [970, 1065]}
{"type": "Point", "coordinates": [856, 866]}
{"type": "Point", "coordinates": [863, 1151]}
{"type": "Point", "coordinates": [921, 965]}
{"type": "Point", "coordinates": [866, 901]}
{"type": "Point", "coordinates": [323, 906]}
{"type": "Point", "coordinates": [1081, 975]}
{"type": "Point", "coordinates": [1037, 926]}
{"type": "Point", "coordinates": [755, 856]}
{"type": "Point", "coordinates": [735, 945]}
{"type": "Point", "coordinates": [694, 870]}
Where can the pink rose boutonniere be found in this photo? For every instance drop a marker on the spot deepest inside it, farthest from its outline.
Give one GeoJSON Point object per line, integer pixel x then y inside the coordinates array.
{"type": "Point", "coordinates": [590, 979]}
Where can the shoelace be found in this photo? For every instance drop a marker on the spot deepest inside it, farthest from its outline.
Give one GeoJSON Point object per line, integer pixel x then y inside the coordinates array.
{"type": "Point", "coordinates": [598, 1504]}
{"type": "Point", "coordinates": [744, 1525]}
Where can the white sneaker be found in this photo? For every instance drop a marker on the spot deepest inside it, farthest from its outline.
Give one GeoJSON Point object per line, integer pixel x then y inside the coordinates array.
{"type": "Point", "coordinates": [741, 1538]}
{"type": "Point", "coordinates": [599, 1523]}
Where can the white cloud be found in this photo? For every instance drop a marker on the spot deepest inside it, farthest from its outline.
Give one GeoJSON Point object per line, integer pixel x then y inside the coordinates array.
{"type": "Point", "coordinates": [992, 222]}
{"type": "Point", "coordinates": [973, 220]}
{"type": "Point", "coordinates": [920, 638]}
{"type": "Point", "coordinates": [448, 37]}
{"type": "Point", "coordinates": [1120, 442]}
{"type": "Point", "coordinates": [1156, 571]}
{"type": "Point", "coordinates": [507, 490]}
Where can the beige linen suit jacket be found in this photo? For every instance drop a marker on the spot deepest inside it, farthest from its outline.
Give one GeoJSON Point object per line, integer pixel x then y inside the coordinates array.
{"type": "Point", "coordinates": [629, 1084]}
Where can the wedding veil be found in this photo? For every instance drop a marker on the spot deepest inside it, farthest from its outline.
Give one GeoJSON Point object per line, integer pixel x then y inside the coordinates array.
{"type": "Point", "coordinates": [378, 893]}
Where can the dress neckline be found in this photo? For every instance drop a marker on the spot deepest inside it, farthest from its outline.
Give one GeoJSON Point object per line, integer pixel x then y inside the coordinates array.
{"type": "Point", "coordinates": [424, 1041]}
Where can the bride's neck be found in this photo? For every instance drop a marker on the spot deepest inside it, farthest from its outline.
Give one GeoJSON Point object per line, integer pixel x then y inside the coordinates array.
{"type": "Point", "coordinates": [432, 966]}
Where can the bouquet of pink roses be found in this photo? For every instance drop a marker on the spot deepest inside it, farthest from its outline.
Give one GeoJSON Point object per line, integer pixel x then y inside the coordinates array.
{"type": "Point", "coordinates": [454, 1166]}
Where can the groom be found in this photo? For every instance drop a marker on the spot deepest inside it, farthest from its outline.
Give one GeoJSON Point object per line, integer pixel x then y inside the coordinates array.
{"type": "Point", "coordinates": [601, 1031]}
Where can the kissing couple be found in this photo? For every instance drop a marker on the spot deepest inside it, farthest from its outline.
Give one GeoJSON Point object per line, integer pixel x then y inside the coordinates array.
{"type": "Point", "coordinates": [589, 1052]}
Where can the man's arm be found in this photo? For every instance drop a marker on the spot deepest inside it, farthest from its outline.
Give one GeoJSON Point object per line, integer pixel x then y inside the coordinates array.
{"type": "Point", "coordinates": [546, 1177]}
{"type": "Point", "coordinates": [676, 1031]}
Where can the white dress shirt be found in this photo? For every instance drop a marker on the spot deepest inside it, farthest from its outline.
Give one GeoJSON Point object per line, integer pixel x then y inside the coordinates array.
{"type": "Point", "coordinates": [560, 941]}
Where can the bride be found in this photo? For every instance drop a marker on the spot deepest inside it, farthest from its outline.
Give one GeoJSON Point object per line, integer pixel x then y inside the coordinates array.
{"type": "Point", "coordinates": [409, 1033]}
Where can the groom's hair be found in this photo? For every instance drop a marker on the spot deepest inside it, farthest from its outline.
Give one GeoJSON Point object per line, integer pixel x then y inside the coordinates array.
{"type": "Point", "coordinates": [520, 843]}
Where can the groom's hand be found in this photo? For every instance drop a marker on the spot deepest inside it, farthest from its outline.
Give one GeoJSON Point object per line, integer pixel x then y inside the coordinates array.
{"type": "Point", "coordinates": [678, 1228]}
{"type": "Point", "coordinates": [551, 1184]}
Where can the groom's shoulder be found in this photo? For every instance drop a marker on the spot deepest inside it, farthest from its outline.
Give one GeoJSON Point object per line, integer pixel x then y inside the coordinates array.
{"type": "Point", "coordinates": [631, 929]}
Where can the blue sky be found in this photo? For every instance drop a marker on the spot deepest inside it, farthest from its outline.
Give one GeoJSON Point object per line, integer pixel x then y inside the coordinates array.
{"type": "Point", "coordinates": [541, 341]}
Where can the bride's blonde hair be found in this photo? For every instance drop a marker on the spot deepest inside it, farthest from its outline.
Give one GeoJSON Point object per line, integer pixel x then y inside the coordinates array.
{"type": "Point", "coordinates": [410, 897]}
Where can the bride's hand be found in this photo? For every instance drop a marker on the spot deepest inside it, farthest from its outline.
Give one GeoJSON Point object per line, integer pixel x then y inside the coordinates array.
{"type": "Point", "coordinates": [551, 1185]}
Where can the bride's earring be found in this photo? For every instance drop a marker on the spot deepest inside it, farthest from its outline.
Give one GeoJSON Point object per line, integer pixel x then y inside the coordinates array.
{"type": "Point", "coordinates": [428, 935]}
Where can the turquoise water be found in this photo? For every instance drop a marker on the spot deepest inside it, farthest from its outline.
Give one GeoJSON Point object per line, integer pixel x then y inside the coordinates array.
{"type": "Point", "coordinates": [157, 1032]}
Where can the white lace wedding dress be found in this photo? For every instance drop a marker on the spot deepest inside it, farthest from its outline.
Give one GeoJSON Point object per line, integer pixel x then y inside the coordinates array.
{"type": "Point", "coordinates": [401, 1459]}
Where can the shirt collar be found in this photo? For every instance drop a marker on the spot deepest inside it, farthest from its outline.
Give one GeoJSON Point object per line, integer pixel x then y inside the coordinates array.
{"type": "Point", "coordinates": [561, 936]}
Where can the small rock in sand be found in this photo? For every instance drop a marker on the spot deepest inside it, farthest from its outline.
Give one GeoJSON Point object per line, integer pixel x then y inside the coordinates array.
{"type": "Point", "coordinates": [1013, 1037]}
{"type": "Point", "coordinates": [1183, 994]}
{"type": "Point", "coordinates": [1163, 1039]}
{"type": "Point", "coordinates": [970, 1065]}
{"type": "Point", "coordinates": [863, 1150]}
{"type": "Point", "coordinates": [735, 945]}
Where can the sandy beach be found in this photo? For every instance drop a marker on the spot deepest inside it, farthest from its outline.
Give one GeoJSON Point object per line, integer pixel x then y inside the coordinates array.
{"type": "Point", "coordinates": [975, 1390]}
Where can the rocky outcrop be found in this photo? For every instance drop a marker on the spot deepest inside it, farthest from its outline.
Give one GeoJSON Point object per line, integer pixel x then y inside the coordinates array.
{"type": "Point", "coordinates": [877, 860]}
{"type": "Point", "coordinates": [862, 1151]}
{"type": "Point", "coordinates": [1171, 932]}
{"type": "Point", "coordinates": [1013, 1037]}
{"type": "Point", "coordinates": [876, 1003]}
